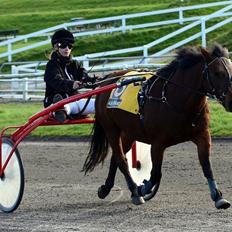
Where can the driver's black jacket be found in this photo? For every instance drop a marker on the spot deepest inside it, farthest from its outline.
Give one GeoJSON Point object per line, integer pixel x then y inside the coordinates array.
{"type": "Point", "coordinates": [60, 74]}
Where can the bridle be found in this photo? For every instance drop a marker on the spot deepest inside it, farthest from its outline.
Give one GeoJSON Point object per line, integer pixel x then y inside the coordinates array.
{"type": "Point", "coordinates": [212, 92]}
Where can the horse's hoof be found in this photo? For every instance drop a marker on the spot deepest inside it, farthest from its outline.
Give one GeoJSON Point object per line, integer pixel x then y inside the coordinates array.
{"type": "Point", "coordinates": [222, 204]}
{"type": "Point", "coordinates": [137, 200]}
{"type": "Point", "coordinates": [102, 192]}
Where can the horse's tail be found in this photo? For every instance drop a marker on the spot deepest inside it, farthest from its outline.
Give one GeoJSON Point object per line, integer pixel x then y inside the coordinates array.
{"type": "Point", "coordinates": [98, 149]}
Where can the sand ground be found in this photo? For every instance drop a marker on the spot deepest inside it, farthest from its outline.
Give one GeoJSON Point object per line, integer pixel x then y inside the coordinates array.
{"type": "Point", "coordinates": [58, 197]}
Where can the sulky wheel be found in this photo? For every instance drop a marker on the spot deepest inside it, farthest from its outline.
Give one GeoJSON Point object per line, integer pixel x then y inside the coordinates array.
{"type": "Point", "coordinates": [144, 165]}
{"type": "Point", "coordinates": [12, 180]}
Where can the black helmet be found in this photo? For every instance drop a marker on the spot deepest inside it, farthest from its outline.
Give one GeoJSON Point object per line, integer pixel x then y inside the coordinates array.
{"type": "Point", "coordinates": [62, 35]}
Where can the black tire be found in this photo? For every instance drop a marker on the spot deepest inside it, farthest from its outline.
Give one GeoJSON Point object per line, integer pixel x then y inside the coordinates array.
{"type": "Point", "coordinates": [12, 179]}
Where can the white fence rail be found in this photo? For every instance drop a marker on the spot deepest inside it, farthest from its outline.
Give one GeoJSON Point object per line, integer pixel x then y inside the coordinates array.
{"type": "Point", "coordinates": [200, 23]}
{"type": "Point", "coordinates": [22, 89]}
{"type": "Point", "coordinates": [31, 86]}
{"type": "Point", "coordinates": [99, 64]}
{"type": "Point", "coordinates": [123, 26]}
{"type": "Point", "coordinates": [145, 48]}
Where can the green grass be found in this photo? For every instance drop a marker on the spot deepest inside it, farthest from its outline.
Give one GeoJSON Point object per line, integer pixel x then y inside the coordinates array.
{"type": "Point", "coordinates": [28, 16]}
{"type": "Point", "coordinates": [221, 121]}
{"type": "Point", "coordinates": [17, 114]}
{"type": "Point", "coordinates": [13, 114]}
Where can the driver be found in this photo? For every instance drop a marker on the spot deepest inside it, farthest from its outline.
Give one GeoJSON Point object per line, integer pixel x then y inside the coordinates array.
{"type": "Point", "coordinates": [63, 76]}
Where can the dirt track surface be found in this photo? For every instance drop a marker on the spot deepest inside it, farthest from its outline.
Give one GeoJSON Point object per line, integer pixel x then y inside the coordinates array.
{"type": "Point", "coordinates": [58, 197]}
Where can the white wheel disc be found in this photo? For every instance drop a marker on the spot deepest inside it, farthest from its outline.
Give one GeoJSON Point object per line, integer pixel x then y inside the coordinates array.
{"type": "Point", "coordinates": [144, 157]}
{"type": "Point", "coordinates": [12, 182]}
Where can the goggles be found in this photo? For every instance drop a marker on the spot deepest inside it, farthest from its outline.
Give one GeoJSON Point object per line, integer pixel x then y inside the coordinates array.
{"type": "Point", "coordinates": [64, 45]}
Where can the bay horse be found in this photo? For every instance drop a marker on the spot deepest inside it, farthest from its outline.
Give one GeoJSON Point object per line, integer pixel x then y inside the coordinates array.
{"type": "Point", "coordinates": [175, 110]}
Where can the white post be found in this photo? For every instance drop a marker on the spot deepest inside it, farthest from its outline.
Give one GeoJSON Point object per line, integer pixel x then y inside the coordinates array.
{"type": "Point", "coordinates": [181, 15]}
{"type": "Point", "coordinates": [14, 69]}
{"type": "Point", "coordinates": [86, 62]}
{"type": "Point", "coordinates": [123, 25]}
{"type": "Point", "coordinates": [25, 89]}
{"type": "Point", "coordinates": [145, 54]}
{"type": "Point", "coordinates": [203, 34]}
{"type": "Point", "coordinates": [15, 84]}
{"type": "Point", "coordinates": [9, 45]}
{"type": "Point", "coordinates": [15, 81]}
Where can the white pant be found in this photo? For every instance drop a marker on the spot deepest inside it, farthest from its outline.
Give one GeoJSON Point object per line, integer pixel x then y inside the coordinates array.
{"type": "Point", "coordinates": [77, 106]}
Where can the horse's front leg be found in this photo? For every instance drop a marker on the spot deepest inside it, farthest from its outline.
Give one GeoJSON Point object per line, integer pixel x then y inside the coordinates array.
{"type": "Point", "coordinates": [105, 189]}
{"type": "Point", "coordinates": [114, 138]}
{"type": "Point", "coordinates": [123, 166]}
{"type": "Point", "coordinates": [204, 148]}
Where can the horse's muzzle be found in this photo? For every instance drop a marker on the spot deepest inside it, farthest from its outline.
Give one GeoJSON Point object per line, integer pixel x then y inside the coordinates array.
{"type": "Point", "coordinates": [227, 100]}
{"type": "Point", "coordinates": [230, 106]}
{"type": "Point", "coordinates": [227, 103]}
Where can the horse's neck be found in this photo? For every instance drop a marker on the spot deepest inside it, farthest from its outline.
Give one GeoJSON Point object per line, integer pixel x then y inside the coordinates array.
{"type": "Point", "coordinates": [190, 92]}
{"type": "Point", "coordinates": [191, 78]}
{"type": "Point", "coordinates": [182, 88]}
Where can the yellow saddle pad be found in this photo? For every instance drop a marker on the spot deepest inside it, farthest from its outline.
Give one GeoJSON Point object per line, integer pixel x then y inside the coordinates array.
{"type": "Point", "coordinates": [125, 97]}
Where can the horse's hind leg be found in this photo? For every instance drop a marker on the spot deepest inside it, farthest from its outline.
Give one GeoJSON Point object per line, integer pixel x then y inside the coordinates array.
{"type": "Point", "coordinates": [204, 145]}
{"type": "Point", "coordinates": [114, 139]}
{"type": "Point", "coordinates": [105, 189]}
{"type": "Point", "coordinates": [157, 153]}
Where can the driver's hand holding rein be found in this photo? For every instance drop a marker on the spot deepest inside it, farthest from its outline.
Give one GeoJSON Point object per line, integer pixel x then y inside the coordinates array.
{"type": "Point", "coordinates": [64, 76]}
{"type": "Point", "coordinates": [76, 84]}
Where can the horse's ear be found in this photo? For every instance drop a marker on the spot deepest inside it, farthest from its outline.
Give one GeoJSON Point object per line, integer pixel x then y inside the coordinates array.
{"type": "Point", "coordinates": [205, 54]}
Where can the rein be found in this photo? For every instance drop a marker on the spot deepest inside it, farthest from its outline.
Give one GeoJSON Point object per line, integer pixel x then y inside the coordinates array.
{"type": "Point", "coordinates": [104, 80]}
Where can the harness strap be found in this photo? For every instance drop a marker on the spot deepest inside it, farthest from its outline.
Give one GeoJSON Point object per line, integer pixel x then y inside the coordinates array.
{"type": "Point", "coordinates": [163, 99]}
{"type": "Point", "coordinates": [84, 107]}
{"type": "Point", "coordinates": [205, 75]}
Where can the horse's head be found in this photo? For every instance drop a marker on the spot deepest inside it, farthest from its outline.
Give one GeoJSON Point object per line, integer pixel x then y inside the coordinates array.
{"type": "Point", "coordinates": [217, 75]}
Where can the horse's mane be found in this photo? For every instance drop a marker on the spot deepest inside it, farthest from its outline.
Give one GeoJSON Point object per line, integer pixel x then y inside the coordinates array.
{"type": "Point", "coordinates": [189, 56]}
